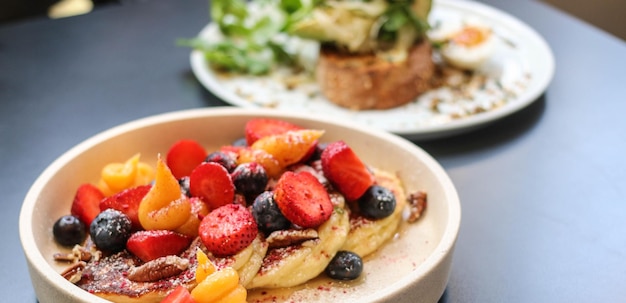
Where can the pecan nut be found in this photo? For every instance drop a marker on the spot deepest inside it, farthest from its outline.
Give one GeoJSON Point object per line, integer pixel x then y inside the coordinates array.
{"type": "Point", "coordinates": [75, 272]}
{"type": "Point", "coordinates": [417, 205]}
{"type": "Point", "coordinates": [158, 269]}
{"type": "Point", "coordinates": [283, 238]}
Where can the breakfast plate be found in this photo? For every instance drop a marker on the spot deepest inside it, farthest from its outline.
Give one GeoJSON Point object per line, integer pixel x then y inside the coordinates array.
{"type": "Point", "coordinates": [518, 72]}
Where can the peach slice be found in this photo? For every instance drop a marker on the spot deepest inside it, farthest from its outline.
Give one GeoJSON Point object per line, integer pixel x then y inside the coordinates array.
{"type": "Point", "coordinates": [290, 147]}
{"type": "Point", "coordinates": [164, 206]}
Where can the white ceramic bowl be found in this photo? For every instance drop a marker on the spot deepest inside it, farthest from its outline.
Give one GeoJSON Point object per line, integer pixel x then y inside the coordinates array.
{"type": "Point", "coordinates": [413, 267]}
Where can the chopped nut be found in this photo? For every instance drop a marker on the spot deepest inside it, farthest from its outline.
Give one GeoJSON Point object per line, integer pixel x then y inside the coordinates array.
{"type": "Point", "coordinates": [74, 272]}
{"type": "Point", "coordinates": [64, 257]}
{"type": "Point", "coordinates": [417, 205]}
{"type": "Point", "coordinates": [81, 253]}
{"type": "Point", "coordinates": [158, 269]}
{"type": "Point", "coordinates": [283, 238]}
{"type": "Point", "coordinates": [78, 253]}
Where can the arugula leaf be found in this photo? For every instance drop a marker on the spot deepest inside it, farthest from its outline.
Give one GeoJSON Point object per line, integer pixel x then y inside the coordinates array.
{"type": "Point", "coordinates": [248, 46]}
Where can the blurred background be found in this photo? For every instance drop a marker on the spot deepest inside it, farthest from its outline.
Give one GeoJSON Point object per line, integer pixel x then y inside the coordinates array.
{"type": "Point", "coordinates": [607, 15]}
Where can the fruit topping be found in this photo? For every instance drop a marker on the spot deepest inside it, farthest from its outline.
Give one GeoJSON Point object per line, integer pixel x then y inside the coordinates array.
{"type": "Point", "coordinates": [225, 159]}
{"type": "Point", "coordinates": [228, 229]}
{"type": "Point", "coordinates": [345, 265]}
{"type": "Point", "coordinates": [116, 177]}
{"type": "Point", "coordinates": [302, 199]}
{"type": "Point", "coordinates": [345, 170]}
{"type": "Point", "coordinates": [180, 294]}
{"type": "Point", "coordinates": [221, 286]}
{"type": "Point", "coordinates": [184, 186]}
{"type": "Point", "coordinates": [377, 202]}
{"type": "Point", "coordinates": [183, 156]}
{"type": "Point", "coordinates": [86, 203]}
{"type": "Point", "coordinates": [250, 179]}
{"type": "Point", "coordinates": [199, 209]}
{"type": "Point", "coordinates": [127, 201]}
{"type": "Point", "coordinates": [164, 206]}
{"type": "Point", "coordinates": [271, 164]}
{"type": "Point", "coordinates": [289, 147]}
{"type": "Point", "coordinates": [212, 183]}
{"type": "Point", "coordinates": [217, 286]}
{"type": "Point", "coordinates": [69, 230]}
{"type": "Point", "coordinates": [261, 127]}
{"type": "Point", "coordinates": [110, 230]}
{"type": "Point", "coordinates": [148, 245]}
{"type": "Point", "coordinates": [205, 266]}
{"type": "Point", "coordinates": [267, 214]}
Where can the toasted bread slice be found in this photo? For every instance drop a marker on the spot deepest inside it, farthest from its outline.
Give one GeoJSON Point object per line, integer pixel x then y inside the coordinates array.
{"type": "Point", "coordinates": [367, 81]}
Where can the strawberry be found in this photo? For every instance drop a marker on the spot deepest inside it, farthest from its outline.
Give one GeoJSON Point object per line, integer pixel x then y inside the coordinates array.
{"type": "Point", "coordinates": [183, 156]}
{"type": "Point", "coordinates": [127, 201]}
{"type": "Point", "coordinates": [231, 150]}
{"type": "Point", "coordinates": [345, 171]}
{"type": "Point", "coordinates": [212, 183]}
{"type": "Point", "coordinates": [180, 294]}
{"type": "Point", "coordinates": [228, 229]}
{"type": "Point", "coordinates": [261, 127]}
{"type": "Point", "coordinates": [86, 203]}
{"type": "Point", "coordinates": [148, 245]}
{"type": "Point", "coordinates": [302, 199]}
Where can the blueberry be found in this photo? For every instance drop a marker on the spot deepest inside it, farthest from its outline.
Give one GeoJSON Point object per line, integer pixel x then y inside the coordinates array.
{"type": "Point", "coordinates": [377, 202]}
{"type": "Point", "coordinates": [69, 230]}
{"type": "Point", "coordinates": [345, 265]}
{"type": "Point", "coordinates": [267, 214]}
{"type": "Point", "coordinates": [241, 142]}
{"type": "Point", "coordinates": [110, 230]}
{"type": "Point", "coordinates": [223, 159]}
{"type": "Point", "coordinates": [184, 186]}
{"type": "Point", "coordinates": [317, 152]}
{"type": "Point", "coordinates": [250, 179]}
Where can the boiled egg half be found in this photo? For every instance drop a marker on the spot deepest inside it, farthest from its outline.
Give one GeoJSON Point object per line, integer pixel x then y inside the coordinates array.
{"type": "Point", "coordinates": [464, 44]}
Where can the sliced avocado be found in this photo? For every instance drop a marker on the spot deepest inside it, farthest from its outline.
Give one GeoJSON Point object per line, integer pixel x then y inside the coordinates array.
{"type": "Point", "coordinates": [311, 28]}
{"type": "Point", "coordinates": [337, 24]}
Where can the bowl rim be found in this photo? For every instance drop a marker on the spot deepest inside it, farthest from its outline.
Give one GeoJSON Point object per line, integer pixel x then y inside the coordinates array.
{"type": "Point", "coordinates": [36, 259]}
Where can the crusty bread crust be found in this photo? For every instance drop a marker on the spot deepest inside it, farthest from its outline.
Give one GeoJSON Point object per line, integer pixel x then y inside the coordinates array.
{"type": "Point", "coordinates": [366, 81]}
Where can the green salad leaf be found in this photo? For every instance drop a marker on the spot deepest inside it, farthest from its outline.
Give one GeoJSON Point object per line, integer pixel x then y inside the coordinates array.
{"type": "Point", "coordinates": [254, 32]}
{"type": "Point", "coordinates": [250, 45]}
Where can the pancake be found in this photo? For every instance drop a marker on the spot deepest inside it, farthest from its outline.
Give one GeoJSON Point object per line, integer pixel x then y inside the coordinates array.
{"type": "Point", "coordinates": [295, 264]}
{"type": "Point", "coordinates": [367, 235]}
{"type": "Point", "coordinates": [108, 278]}
{"type": "Point", "coordinates": [258, 265]}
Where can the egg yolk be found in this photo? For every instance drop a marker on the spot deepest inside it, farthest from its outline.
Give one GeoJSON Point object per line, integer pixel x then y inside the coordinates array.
{"type": "Point", "coordinates": [470, 36]}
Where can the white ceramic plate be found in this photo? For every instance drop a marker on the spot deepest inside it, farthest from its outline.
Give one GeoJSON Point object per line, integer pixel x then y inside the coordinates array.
{"type": "Point", "coordinates": [523, 63]}
{"type": "Point", "coordinates": [416, 264]}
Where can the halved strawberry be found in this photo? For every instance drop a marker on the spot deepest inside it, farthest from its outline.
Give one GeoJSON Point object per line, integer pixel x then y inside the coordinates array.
{"type": "Point", "coordinates": [345, 170]}
{"type": "Point", "coordinates": [228, 229]}
{"type": "Point", "coordinates": [148, 245]}
{"type": "Point", "coordinates": [302, 199]}
{"type": "Point", "coordinates": [86, 203]}
{"type": "Point", "coordinates": [180, 294]}
{"type": "Point", "coordinates": [127, 201]}
{"type": "Point", "coordinates": [212, 183]}
{"type": "Point", "coordinates": [183, 156]}
{"type": "Point", "coordinates": [261, 127]}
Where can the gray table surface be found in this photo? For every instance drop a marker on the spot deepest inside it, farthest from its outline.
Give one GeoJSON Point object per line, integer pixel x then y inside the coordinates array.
{"type": "Point", "coordinates": [543, 191]}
